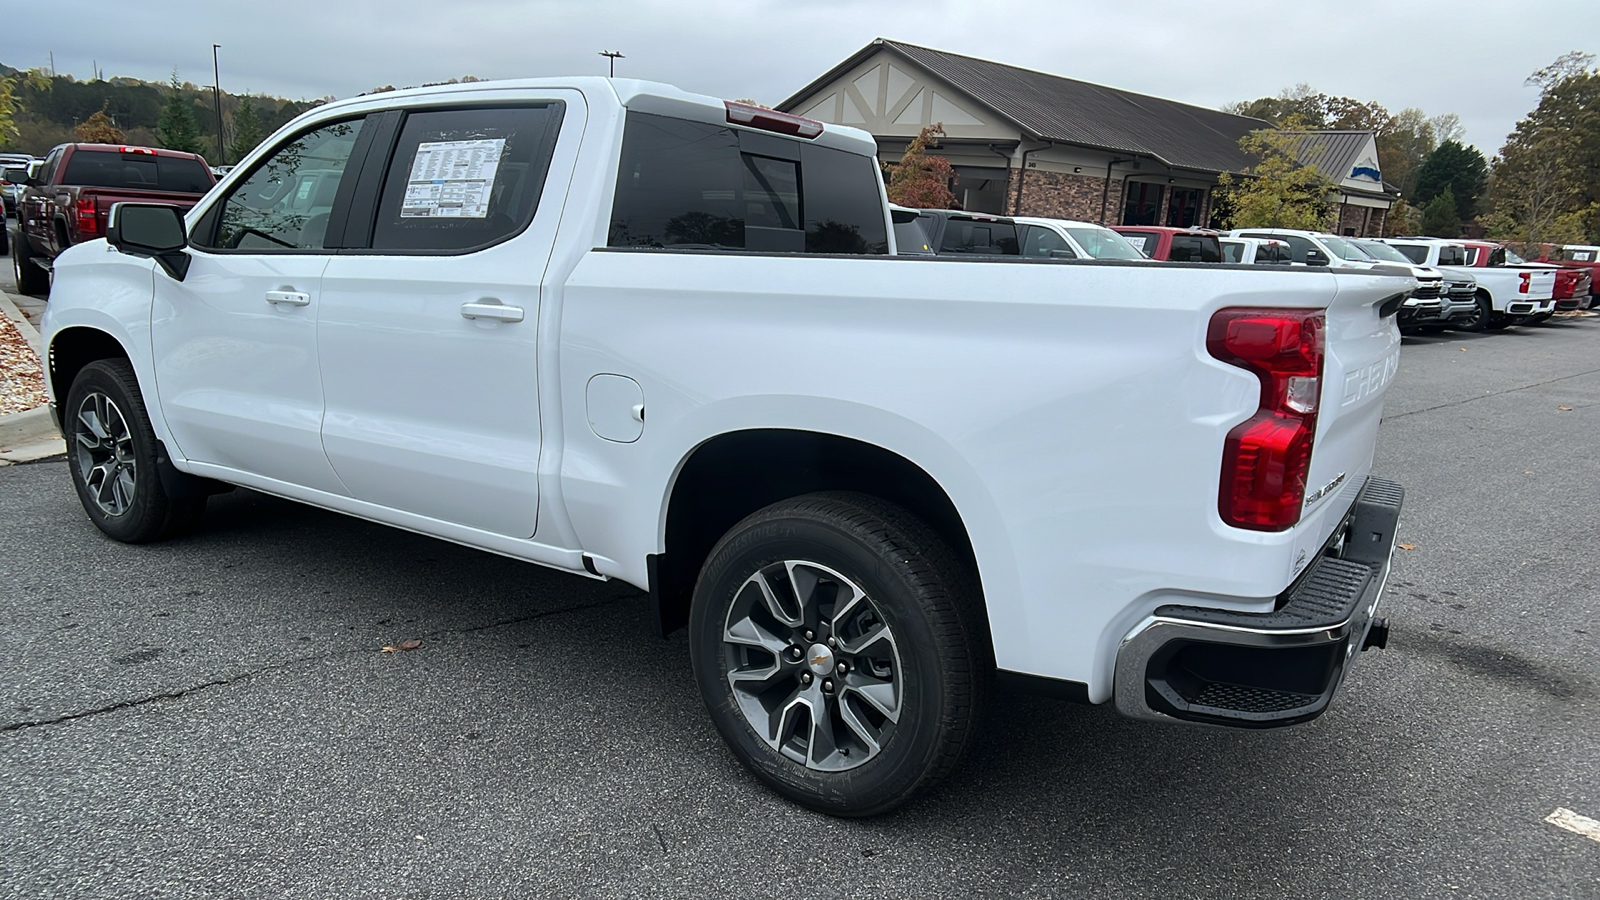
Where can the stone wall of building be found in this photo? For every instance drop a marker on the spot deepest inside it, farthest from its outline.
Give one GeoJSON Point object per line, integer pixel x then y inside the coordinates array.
{"type": "Point", "coordinates": [1362, 221]}
{"type": "Point", "coordinates": [1062, 195]}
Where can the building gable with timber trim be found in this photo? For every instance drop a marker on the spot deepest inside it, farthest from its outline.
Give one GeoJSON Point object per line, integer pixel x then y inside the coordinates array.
{"type": "Point", "coordinates": [1030, 143]}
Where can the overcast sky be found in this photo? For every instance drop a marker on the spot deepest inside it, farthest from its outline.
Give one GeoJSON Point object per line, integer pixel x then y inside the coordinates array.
{"type": "Point", "coordinates": [1469, 57]}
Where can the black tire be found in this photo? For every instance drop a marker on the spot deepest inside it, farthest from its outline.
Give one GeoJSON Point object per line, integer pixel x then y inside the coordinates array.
{"type": "Point", "coordinates": [30, 278]}
{"type": "Point", "coordinates": [915, 590]}
{"type": "Point", "coordinates": [5, 239]}
{"type": "Point", "coordinates": [109, 437]}
{"type": "Point", "coordinates": [1480, 318]}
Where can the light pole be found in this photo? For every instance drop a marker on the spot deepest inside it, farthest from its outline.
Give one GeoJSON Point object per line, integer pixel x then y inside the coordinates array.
{"type": "Point", "coordinates": [216, 93]}
{"type": "Point", "coordinates": [614, 56]}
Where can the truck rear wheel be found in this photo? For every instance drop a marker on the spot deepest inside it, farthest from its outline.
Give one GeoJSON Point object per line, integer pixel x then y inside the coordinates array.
{"type": "Point", "coordinates": [112, 454]}
{"type": "Point", "coordinates": [1480, 318]}
{"type": "Point", "coordinates": [30, 278]}
{"type": "Point", "coordinates": [840, 651]}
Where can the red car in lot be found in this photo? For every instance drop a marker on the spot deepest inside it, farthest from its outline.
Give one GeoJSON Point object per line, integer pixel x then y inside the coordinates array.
{"type": "Point", "coordinates": [67, 198]}
{"type": "Point", "coordinates": [1173, 244]}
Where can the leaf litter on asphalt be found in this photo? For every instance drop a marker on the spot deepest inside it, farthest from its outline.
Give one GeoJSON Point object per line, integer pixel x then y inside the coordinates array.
{"type": "Point", "coordinates": [404, 646]}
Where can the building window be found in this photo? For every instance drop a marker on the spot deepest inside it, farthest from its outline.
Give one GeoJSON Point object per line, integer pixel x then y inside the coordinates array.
{"type": "Point", "coordinates": [1143, 203]}
{"type": "Point", "coordinates": [1184, 211]}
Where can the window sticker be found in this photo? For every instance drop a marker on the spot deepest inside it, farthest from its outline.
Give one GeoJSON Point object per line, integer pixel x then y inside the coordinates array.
{"type": "Point", "coordinates": [452, 179]}
{"type": "Point", "coordinates": [1137, 240]}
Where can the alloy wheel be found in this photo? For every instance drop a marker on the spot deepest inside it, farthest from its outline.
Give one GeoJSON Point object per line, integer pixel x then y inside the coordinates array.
{"type": "Point", "coordinates": [104, 453]}
{"type": "Point", "coordinates": [813, 665]}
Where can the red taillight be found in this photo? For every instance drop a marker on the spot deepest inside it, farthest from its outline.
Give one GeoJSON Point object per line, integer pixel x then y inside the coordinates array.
{"type": "Point", "coordinates": [1527, 277]}
{"type": "Point", "coordinates": [1265, 459]}
{"type": "Point", "coordinates": [88, 217]}
{"type": "Point", "coordinates": [771, 120]}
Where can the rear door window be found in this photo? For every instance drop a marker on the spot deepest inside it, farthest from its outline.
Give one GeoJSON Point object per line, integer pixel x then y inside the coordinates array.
{"type": "Point", "coordinates": [463, 179]}
{"type": "Point", "coordinates": [698, 186]}
{"type": "Point", "coordinates": [1414, 252]}
{"type": "Point", "coordinates": [979, 236]}
{"type": "Point", "coordinates": [1232, 251]}
{"type": "Point", "coordinates": [1298, 246]}
{"type": "Point", "coordinates": [1195, 248]}
{"type": "Point", "coordinates": [1044, 242]}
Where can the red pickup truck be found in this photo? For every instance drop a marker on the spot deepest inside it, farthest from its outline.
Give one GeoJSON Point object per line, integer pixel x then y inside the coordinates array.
{"type": "Point", "coordinates": [1173, 244]}
{"type": "Point", "coordinates": [66, 199]}
{"type": "Point", "coordinates": [1575, 256]}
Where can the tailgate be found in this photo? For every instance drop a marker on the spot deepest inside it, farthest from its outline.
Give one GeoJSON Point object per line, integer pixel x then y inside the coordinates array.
{"type": "Point", "coordinates": [1541, 285]}
{"type": "Point", "coordinates": [1361, 358]}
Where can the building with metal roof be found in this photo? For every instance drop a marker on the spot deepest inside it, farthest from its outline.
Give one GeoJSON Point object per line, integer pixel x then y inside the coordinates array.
{"type": "Point", "coordinates": [1030, 143]}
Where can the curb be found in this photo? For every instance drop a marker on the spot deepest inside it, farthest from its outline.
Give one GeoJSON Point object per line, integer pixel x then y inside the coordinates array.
{"type": "Point", "coordinates": [31, 434]}
{"type": "Point", "coordinates": [29, 333]}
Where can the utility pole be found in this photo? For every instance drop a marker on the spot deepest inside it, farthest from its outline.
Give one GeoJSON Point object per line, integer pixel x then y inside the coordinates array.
{"type": "Point", "coordinates": [614, 56]}
{"type": "Point", "coordinates": [216, 93]}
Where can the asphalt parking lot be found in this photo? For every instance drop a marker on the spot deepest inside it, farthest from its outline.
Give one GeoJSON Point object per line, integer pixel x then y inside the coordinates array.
{"type": "Point", "coordinates": [215, 716]}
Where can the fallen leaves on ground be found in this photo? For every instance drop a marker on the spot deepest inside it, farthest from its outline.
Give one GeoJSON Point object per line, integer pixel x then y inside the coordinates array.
{"type": "Point", "coordinates": [21, 377]}
{"type": "Point", "coordinates": [1408, 546]}
{"type": "Point", "coordinates": [405, 645]}
{"type": "Point", "coordinates": [1564, 408]}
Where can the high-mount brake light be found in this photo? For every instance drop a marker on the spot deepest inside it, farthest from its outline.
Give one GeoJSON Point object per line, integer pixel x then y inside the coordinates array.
{"type": "Point", "coordinates": [771, 120]}
{"type": "Point", "coordinates": [1266, 458]}
{"type": "Point", "coordinates": [88, 217]}
{"type": "Point", "coordinates": [145, 150]}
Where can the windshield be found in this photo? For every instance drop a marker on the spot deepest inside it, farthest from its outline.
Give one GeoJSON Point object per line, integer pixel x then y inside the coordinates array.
{"type": "Point", "coordinates": [1383, 252]}
{"type": "Point", "coordinates": [1344, 249]}
{"type": "Point", "coordinates": [1103, 243]}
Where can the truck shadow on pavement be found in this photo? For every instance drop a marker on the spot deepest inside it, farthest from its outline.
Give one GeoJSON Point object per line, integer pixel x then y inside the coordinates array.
{"type": "Point", "coordinates": [530, 681]}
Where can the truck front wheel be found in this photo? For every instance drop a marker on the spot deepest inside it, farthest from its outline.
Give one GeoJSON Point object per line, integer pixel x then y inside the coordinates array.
{"type": "Point", "coordinates": [112, 454]}
{"type": "Point", "coordinates": [840, 650]}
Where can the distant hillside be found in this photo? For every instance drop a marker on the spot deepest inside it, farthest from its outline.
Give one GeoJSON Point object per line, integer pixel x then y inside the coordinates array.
{"type": "Point", "coordinates": [46, 117]}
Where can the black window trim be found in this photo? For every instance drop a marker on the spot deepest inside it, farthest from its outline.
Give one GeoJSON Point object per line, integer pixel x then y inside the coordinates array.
{"type": "Point", "coordinates": [359, 229]}
{"type": "Point", "coordinates": [212, 217]}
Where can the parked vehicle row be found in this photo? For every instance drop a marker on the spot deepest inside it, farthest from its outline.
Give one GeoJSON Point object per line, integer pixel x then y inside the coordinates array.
{"type": "Point", "coordinates": [66, 199]}
{"type": "Point", "coordinates": [874, 490]}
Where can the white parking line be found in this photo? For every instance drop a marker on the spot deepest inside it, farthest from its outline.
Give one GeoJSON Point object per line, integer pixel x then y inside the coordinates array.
{"type": "Point", "coordinates": [1571, 821]}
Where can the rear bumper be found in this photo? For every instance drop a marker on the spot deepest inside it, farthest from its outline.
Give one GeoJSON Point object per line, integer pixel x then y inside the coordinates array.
{"type": "Point", "coordinates": [1529, 307]}
{"type": "Point", "coordinates": [1264, 670]}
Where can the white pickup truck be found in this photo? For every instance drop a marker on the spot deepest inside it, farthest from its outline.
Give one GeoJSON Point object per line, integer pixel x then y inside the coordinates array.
{"type": "Point", "coordinates": [1505, 293]}
{"type": "Point", "coordinates": [634, 333]}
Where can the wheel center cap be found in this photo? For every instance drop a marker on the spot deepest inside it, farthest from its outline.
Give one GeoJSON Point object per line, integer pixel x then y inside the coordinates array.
{"type": "Point", "coordinates": [820, 659]}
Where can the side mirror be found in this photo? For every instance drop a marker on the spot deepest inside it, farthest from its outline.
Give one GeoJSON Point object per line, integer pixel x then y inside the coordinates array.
{"type": "Point", "coordinates": [15, 175]}
{"type": "Point", "coordinates": [1316, 257]}
{"type": "Point", "coordinates": [151, 230]}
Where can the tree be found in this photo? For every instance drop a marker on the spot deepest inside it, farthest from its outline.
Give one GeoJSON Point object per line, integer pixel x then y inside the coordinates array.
{"type": "Point", "coordinates": [1447, 127]}
{"type": "Point", "coordinates": [1403, 219]}
{"type": "Point", "coordinates": [176, 128]}
{"type": "Point", "coordinates": [921, 181]}
{"type": "Point", "coordinates": [99, 129]}
{"type": "Point", "coordinates": [10, 86]}
{"type": "Point", "coordinates": [1457, 170]}
{"type": "Point", "coordinates": [247, 131]}
{"type": "Point", "coordinates": [1404, 148]}
{"type": "Point", "coordinates": [1546, 181]}
{"type": "Point", "coordinates": [1439, 217]}
{"type": "Point", "coordinates": [1277, 191]}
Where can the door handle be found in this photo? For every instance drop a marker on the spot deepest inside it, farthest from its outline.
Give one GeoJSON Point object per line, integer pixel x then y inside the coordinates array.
{"type": "Point", "coordinates": [288, 298]}
{"type": "Point", "coordinates": [496, 311]}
